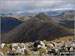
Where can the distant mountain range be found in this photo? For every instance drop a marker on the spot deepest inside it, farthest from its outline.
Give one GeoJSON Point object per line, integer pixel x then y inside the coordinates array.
{"type": "Point", "coordinates": [40, 27]}
{"type": "Point", "coordinates": [49, 13]}
{"type": "Point", "coordinates": [62, 14]}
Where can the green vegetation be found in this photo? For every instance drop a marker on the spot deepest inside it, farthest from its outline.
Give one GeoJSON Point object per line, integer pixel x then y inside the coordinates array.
{"type": "Point", "coordinates": [16, 47]}
{"type": "Point", "coordinates": [42, 50]}
{"type": "Point", "coordinates": [27, 52]}
{"type": "Point", "coordinates": [48, 47]}
{"type": "Point", "coordinates": [6, 48]}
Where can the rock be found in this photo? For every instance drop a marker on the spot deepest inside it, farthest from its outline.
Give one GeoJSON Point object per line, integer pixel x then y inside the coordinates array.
{"type": "Point", "coordinates": [36, 43]}
{"type": "Point", "coordinates": [1, 54]}
{"type": "Point", "coordinates": [2, 45]}
{"type": "Point", "coordinates": [7, 52]}
{"type": "Point", "coordinates": [19, 51]}
{"type": "Point", "coordinates": [71, 49]}
{"type": "Point", "coordinates": [39, 46]}
{"type": "Point", "coordinates": [22, 45]}
{"type": "Point", "coordinates": [13, 45]}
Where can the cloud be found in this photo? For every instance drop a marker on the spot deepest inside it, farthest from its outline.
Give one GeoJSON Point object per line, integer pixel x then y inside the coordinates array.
{"type": "Point", "coordinates": [32, 5]}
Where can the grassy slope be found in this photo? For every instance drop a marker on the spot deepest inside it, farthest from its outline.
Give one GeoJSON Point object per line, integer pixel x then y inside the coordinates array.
{"type": "Point", "coordinates": [35, 29]}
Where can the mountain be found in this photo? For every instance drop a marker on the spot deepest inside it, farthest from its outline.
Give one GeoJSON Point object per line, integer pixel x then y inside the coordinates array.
{"type": "Point", "coordinates": [61, 13]}
{"type": "Point", "coordinates": [64, 18]}
{"type": "Point", "coordinates": [53, 13]}
{"type": "Point", "coordinates": [4, 14]}
{"type": "Point", "coordinates": [44, 17]}
{"type": "Point", "coordinates": [25, 18]}
{"type": "Point", "coordinates": [68, 24]}
{"type": "Point", "coordinates": [21, 18]}
{"type": "Point", "coordinates": [8, 23]}
{"type": "Point", "coordinates": [56, 13]}
{"type": "Point", "coordinates": [25, 14]}
{"type": "Point", "coordinates": [69, 15]}
{"type": "Point", "coordinates": [37, 28]}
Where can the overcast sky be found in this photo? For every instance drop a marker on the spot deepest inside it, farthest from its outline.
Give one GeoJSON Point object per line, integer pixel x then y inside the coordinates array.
{"type": "Point", "coordinates": [33, 5]}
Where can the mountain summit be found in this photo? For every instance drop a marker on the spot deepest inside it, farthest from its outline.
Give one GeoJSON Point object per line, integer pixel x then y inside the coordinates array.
{"type": "Point", "coordinates": [37, 28]}
{"type": "Point", "coordinates": [42, 16]}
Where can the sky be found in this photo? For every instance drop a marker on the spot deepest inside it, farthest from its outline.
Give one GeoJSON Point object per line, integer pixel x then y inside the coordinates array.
{"type": "Point", "coordinates": [35, 5]}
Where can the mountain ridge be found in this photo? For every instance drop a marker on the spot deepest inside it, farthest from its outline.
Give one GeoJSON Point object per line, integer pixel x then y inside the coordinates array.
{"type": "Point", "coordinates": [36, 29]}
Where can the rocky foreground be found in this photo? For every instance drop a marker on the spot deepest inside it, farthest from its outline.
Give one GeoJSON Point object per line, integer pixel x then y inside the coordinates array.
{"type": "Point", "coordinates": [63, 46]}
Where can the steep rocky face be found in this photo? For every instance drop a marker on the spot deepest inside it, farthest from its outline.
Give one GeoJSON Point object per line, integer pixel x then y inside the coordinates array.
{"type": "Point", "coordinates": [37, 28]}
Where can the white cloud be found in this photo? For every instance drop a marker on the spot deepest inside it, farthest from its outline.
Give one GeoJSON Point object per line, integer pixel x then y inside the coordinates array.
{"type": "Point", "coordinates": [31, 5]}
